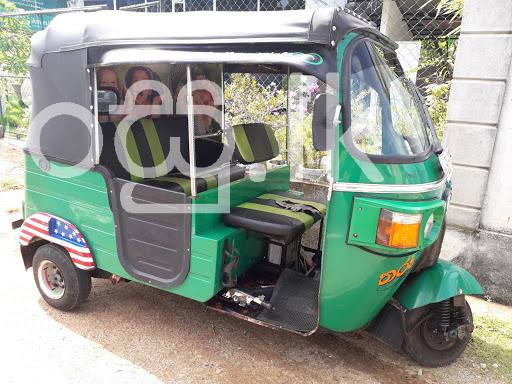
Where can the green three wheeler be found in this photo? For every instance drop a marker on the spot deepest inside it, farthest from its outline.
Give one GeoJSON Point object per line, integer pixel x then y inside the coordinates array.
{"type": "Point", "coordinates": [148, 160]}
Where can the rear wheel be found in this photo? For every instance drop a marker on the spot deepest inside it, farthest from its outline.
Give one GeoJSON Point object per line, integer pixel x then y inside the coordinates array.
{"type": "Point", "coordinates": [60, 283]}
{"type": "Point", "coordinates": [440, 335]}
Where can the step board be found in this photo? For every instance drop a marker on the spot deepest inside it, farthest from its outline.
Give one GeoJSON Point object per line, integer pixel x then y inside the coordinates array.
{"type": "Point", "coordinates": [295, 302]}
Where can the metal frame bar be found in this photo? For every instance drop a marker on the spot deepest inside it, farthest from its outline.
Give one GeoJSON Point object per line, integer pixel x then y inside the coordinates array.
{"type": "Point", "coordinates": [96, 126]}
{"type": "Point", "coordinates": [191, 134]}
{"type": "Point", "coordinates": [287, 134]}
{"type": "Point", "coordinates": [144, 5]}
{"type": "Point", "coordinates": [223, 122]}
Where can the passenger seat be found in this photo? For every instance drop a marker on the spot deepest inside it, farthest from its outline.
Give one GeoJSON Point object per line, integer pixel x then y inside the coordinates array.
{"type": "Point", "coordinates": [148, 145]}
{"type": "Point", "coordinates": [282, 216]}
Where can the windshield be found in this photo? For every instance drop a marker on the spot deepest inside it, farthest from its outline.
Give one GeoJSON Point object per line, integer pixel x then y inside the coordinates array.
{"type": "Point", "coordinates": [386, 118]}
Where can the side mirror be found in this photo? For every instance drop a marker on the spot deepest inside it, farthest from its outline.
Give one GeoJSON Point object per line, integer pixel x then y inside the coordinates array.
{"type": "Point", "coordinates": [325, 110]}
{"type": "Point", "coordinates": [106, 99]}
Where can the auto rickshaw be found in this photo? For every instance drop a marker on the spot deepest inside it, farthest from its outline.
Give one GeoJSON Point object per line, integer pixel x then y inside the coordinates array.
{"type": "Point", "coordinates": [163, 197]}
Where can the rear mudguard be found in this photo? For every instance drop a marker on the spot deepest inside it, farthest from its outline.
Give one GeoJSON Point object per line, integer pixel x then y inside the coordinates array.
{"type": "Point", "coordinates": [436, 283]}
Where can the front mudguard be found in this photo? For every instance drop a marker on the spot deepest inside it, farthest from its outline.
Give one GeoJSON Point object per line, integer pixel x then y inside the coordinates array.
{"type": "Point", "coordinates": [432, 285]}
{"type": "Point", "coordinates": [436, 283]}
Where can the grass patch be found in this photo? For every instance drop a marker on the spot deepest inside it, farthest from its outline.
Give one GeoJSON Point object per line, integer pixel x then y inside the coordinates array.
{"type": "Point", "coordinates": [492, 344]}
{"type": "Point", "coordinates": [9, 185]}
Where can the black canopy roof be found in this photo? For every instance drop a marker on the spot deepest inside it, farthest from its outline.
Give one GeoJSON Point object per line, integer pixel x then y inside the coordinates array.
{"type": "Point", "coordinates": [106, 28]}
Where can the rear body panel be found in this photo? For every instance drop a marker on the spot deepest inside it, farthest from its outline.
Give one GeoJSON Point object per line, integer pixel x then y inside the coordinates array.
{"type": "Point", "coordinates": [84, 201]}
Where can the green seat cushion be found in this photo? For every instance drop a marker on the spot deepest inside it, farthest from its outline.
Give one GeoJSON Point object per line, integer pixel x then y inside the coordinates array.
{"type": "Point", "coordinates": [182, 183]}
{"type": "Point", "coordinates": [264, 215]}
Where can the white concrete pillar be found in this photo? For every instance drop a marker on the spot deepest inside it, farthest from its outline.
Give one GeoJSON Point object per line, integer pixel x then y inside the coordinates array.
{"type": "Point", "coordinates": [474, 110]}
{"type": "Point", "coordinates": [392, 22]}
{"type": "Point", "coordinates": [497, 208]}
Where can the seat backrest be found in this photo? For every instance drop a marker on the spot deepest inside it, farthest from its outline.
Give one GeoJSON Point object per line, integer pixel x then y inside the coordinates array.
{"type": "Point", "coordinates": [255, 143]}
{"type": "Point", "coordinates": [148, 145]}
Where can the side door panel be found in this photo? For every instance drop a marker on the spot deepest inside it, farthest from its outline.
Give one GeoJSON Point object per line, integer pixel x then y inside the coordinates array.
{"type": "Point", "coordinates": [153, 234]}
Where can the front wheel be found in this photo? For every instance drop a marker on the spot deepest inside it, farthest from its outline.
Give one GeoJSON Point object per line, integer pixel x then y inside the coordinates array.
{"type": "Point", "coordinates": [61, 284]}
{"type": "Point", "coordinates": [440, 334]}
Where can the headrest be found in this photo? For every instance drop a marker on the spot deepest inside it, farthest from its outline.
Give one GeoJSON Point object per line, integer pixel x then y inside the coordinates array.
{"type": "Point", "coordinates": [255, 143]}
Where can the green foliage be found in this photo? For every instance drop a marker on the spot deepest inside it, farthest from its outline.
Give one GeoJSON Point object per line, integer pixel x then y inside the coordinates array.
{"type": "Point", "coordinates": [14, 41]}
{"type": "Point", "coordinates": [492, 343]}
{"type": "Point", "coordinates": [248, 101]}
{"type": "Point", "coordinates": [453, 8]}
{"type": "Point", "coordinates": [311, 158]}
{"type": "Point", "coordinates": [439, 55]}
{"type": "Point", "coordinates": [9, 185]}
{"type": "Point", "coordinates": [437, 102]}
{"type": "Point", "coordinates": [15, 115]}
{"type": "Point", "coordinates": [438, 62]}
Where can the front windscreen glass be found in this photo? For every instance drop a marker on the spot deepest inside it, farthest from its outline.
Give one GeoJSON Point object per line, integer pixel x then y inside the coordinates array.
{"type": "Point", "coordinates": [386, 117]}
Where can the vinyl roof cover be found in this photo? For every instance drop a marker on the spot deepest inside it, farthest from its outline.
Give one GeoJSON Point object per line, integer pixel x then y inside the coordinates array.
{"type": "Point", "coordinates": [80, 30]}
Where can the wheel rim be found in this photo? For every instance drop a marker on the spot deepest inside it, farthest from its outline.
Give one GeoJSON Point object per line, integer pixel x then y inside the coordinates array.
{"type": "Point", "coordinates": [51, 280]}
{"type": "Point", "coordinates": [434, 337]}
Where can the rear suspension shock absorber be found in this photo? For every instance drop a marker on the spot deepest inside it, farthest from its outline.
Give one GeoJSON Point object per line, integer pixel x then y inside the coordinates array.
{"type": "Point", "coordinates": [445, 311]}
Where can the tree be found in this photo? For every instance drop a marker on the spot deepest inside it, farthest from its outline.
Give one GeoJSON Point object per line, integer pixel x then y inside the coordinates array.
{"type": "Point", "coordinates": [14, 41]}
{"type": "Point", "coordinates": [15, 115]}
{"type": "Point", "coordinates": [437, 64]}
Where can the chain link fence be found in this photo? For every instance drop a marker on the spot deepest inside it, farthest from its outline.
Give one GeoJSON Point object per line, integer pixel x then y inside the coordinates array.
{"type": "Point", "coordinates": [426, 30]}
{"type": "Point", "coordinates": [427, 34]}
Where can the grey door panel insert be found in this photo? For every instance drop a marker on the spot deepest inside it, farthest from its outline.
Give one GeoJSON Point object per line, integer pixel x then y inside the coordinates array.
{"type": "Point", "coordinates": [152, 247]}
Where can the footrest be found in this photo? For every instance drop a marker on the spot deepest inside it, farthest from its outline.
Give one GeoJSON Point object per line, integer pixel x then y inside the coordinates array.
{"type": "Point", "coordinates": [295, 303]}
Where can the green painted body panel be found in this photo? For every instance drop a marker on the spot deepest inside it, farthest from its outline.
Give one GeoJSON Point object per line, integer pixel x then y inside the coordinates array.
{"type": "Point", "coordinates": [350, 295]}
{"type": "Point", "coordinates": [83, 201]}
{"type": "Point", "coordinates": [437, 283]}
{"type": "Point", "coordinates": [365, 220]}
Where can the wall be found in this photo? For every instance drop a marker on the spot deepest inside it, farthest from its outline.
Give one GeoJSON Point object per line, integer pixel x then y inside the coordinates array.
{"type": "Point", "coordinates": [479, 136]}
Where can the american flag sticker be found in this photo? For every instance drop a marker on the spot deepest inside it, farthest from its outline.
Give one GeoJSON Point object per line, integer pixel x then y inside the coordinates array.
{"type": "Point", "coordinates": [56, 230]}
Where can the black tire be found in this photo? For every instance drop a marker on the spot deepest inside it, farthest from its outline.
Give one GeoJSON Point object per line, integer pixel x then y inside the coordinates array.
{"type": "Point", "coordinates": [70, 286]}
{"type": "Point", "coordinates": [420, 349]}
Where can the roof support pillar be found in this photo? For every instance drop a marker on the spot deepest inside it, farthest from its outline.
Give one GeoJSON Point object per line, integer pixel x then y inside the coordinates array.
{"type": "Point", "coordinates": [191, 134]}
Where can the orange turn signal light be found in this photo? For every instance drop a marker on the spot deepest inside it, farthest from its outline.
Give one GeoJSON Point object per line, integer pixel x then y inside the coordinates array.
{"type": "Point", "coordinates": [398, 230]}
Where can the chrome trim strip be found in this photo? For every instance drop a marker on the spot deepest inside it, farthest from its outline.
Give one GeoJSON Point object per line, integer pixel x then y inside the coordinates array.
{"type": "Point", "coordinates": [390, 188]}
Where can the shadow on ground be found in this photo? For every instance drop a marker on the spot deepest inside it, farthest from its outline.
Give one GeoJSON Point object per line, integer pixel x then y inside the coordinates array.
{"type": "Point", "coordinates": [175, 338]}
